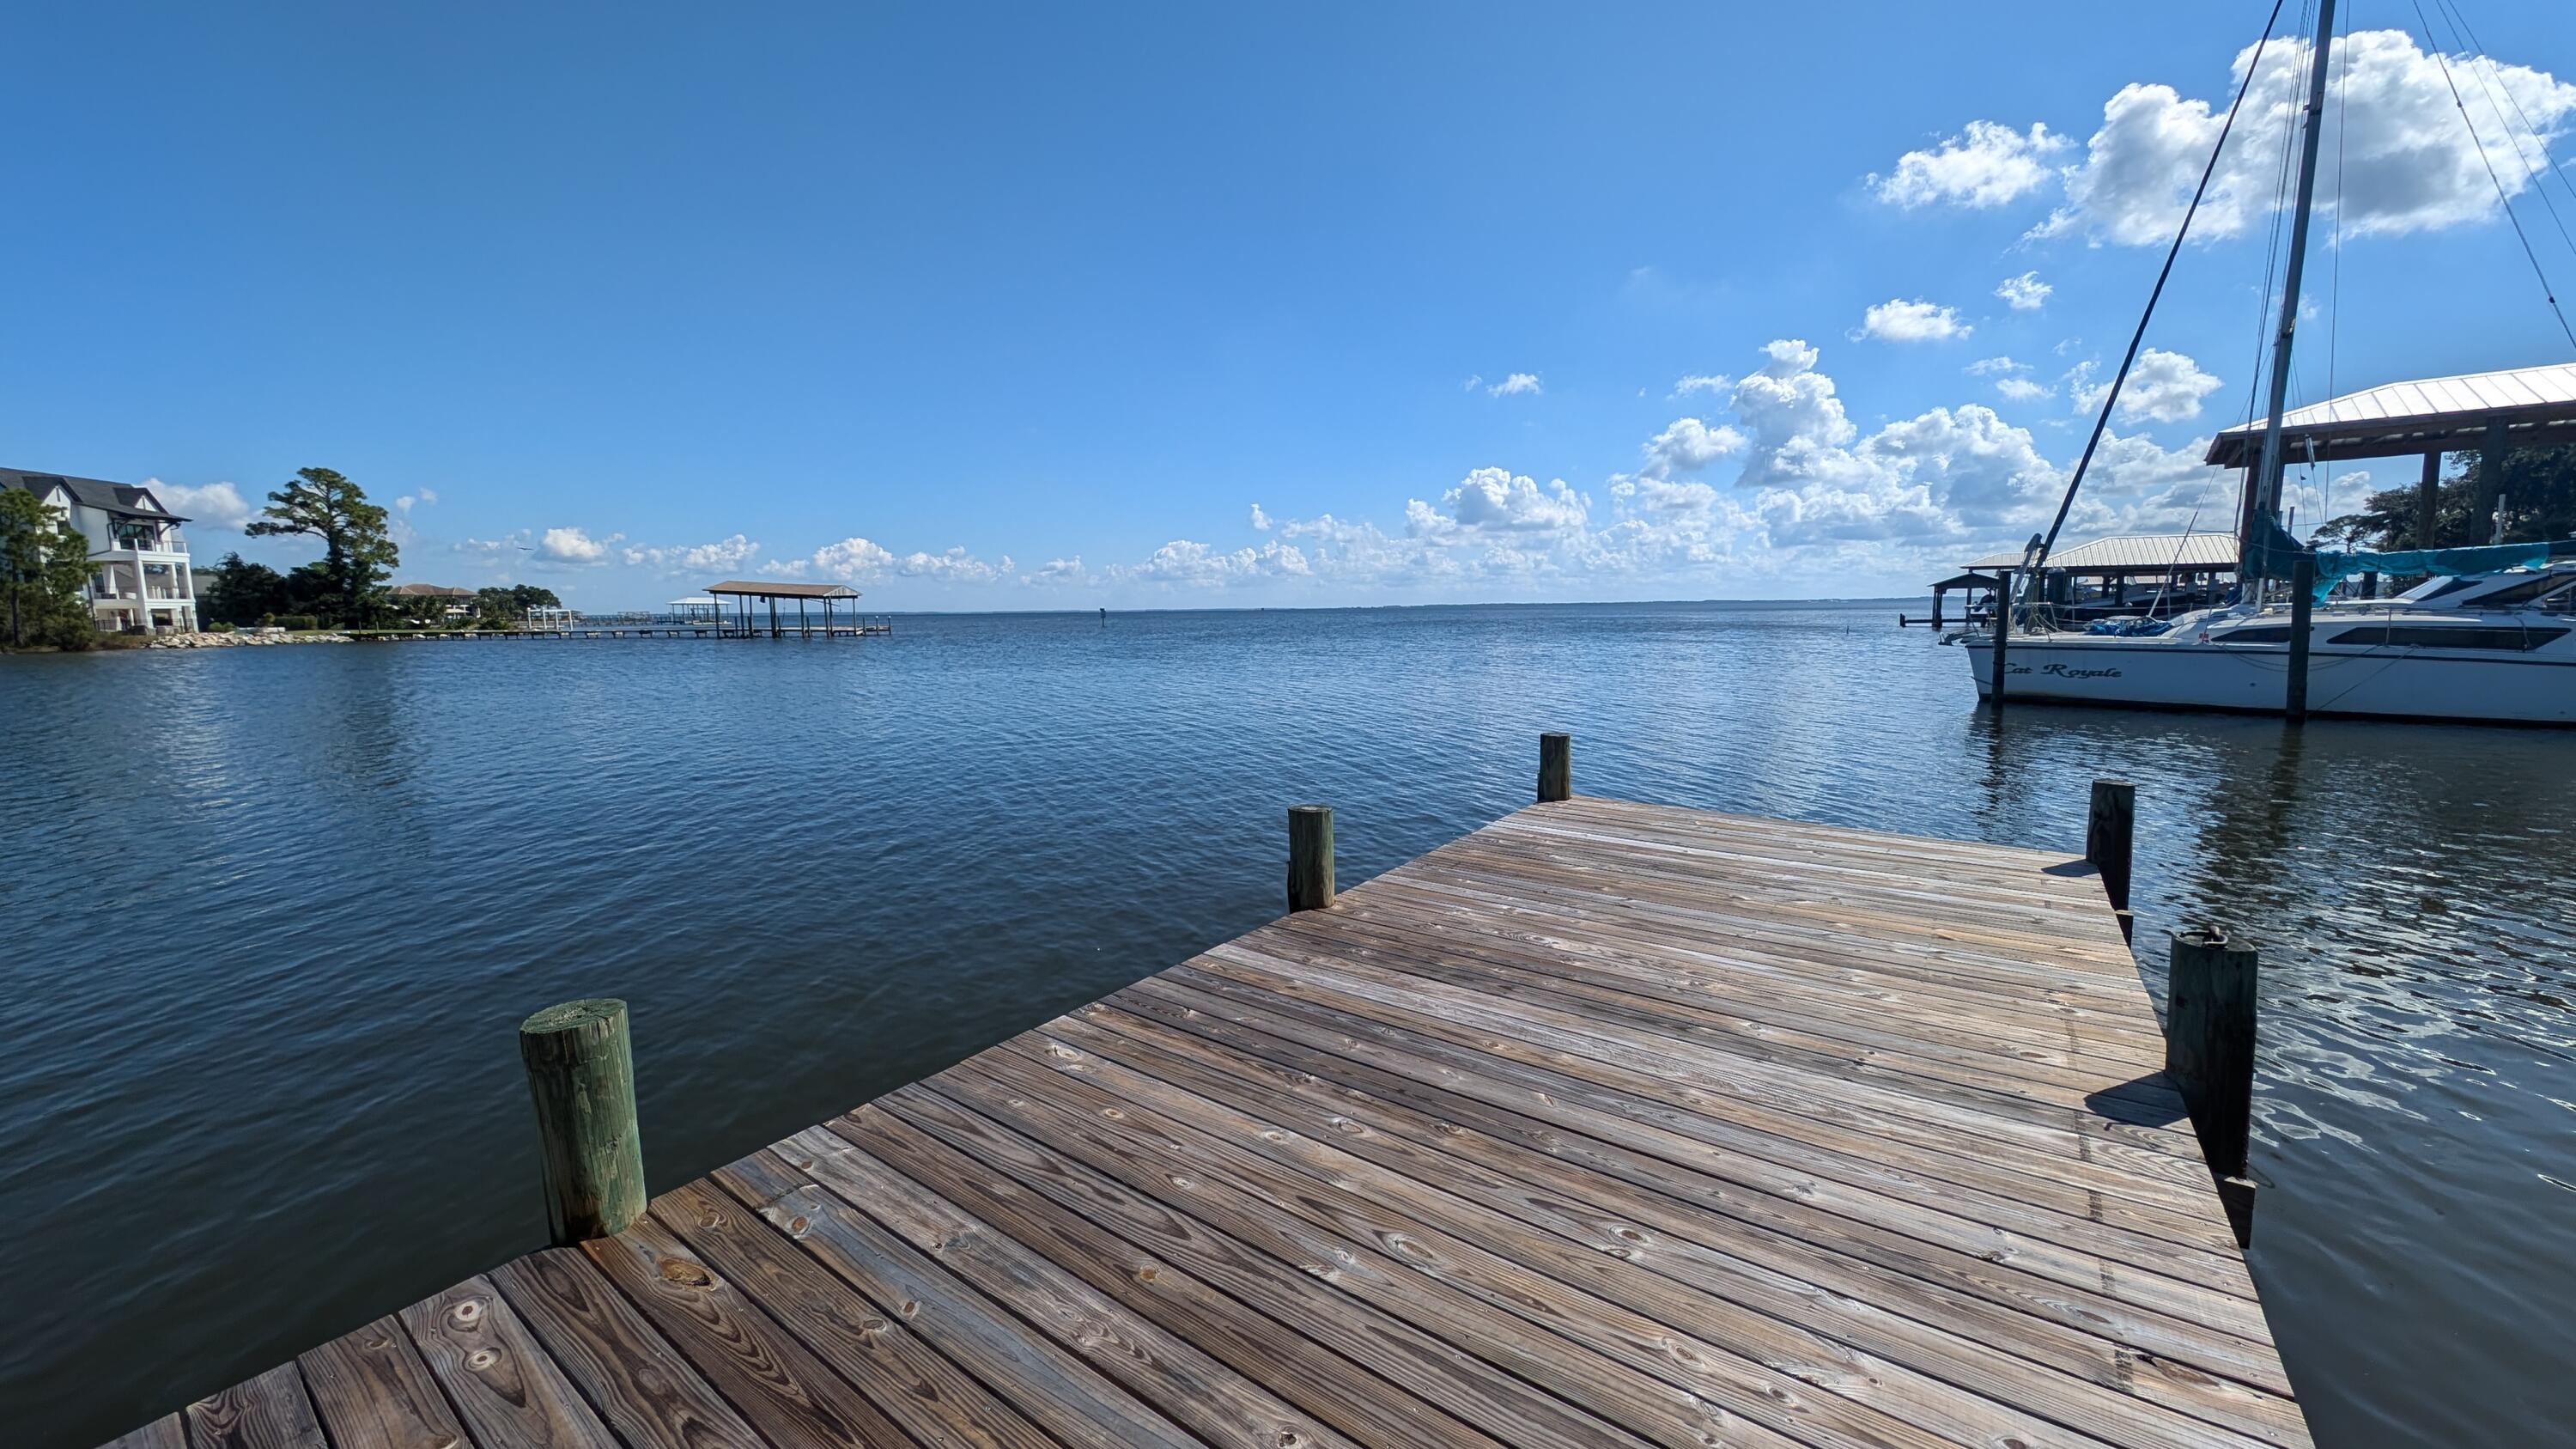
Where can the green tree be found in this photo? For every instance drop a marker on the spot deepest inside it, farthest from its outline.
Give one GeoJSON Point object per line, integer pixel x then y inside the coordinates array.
{"type": "Point", "coordinates": [497, 608]}
{"type": "Point", "coordinates": [2539, 490]}
{"type": "Point", "coordinates": [240, 592]}
{"type": "Point", "coordinates": [44, 565]}
{"type": "Point", "coordinates": [358, 553]}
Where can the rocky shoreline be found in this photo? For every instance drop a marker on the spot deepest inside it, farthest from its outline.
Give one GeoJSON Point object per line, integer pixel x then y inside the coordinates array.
{"type": "Point", "coordinates": [242, 637]}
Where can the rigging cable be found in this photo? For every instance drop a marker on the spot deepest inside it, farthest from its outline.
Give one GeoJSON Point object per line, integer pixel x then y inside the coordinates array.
{"type": "Point", "coordinates": [2477, 48]}
{"type": "Point", "coordinates": [2334, 288]}
{"type": "Point", "coordinates": [2502, 200]}
{"type": "Point", "coordinates": [2102, 420]}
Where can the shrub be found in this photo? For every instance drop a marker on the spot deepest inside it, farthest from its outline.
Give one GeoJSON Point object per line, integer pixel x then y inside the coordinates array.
{"type": "Point", "coordinates": [295, 623]}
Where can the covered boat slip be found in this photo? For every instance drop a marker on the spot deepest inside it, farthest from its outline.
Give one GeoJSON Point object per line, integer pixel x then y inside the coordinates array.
{"type": "Point", "coordinates": [742, 605]}
{"type": "Point", "coordinates": [1606, 1124]}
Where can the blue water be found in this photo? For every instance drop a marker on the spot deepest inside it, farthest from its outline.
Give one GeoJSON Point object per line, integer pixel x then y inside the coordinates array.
{"type": "Point", "coordinates": [271, 917]}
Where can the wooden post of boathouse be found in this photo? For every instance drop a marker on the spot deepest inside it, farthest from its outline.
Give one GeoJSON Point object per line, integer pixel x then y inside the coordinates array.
{"type": "Point", "coordinates": [1592, 1126]}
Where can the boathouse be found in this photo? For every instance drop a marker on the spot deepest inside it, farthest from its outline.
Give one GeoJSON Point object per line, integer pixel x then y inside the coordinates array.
{"type": "Point", "coordinates": [840, 615]}
{"type": "Point", "coordinates": [2495, 413]}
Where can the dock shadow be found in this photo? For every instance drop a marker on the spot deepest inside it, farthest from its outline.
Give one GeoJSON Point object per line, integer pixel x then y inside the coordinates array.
{"type": "Point", "coordinates": [2122, 1103]}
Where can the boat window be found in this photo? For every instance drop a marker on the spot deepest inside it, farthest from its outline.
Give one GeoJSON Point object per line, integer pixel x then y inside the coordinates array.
{"type": "Point", "coordinates": [2255, 634]}
{"type": "Point", "coordinates": [2436, 588]}
{"type": "Point", "coordinates": [2434, 636]}
{"type": "Point", "coordinates": [2521, 593]}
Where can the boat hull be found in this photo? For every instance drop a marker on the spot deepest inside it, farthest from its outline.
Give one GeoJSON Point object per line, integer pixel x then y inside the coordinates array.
{"type": "Point", "coordinates": [2383, 683]}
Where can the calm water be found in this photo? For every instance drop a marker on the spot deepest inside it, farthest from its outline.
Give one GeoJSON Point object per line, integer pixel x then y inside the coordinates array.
{"type": "Point", "coordinates": [271, 916]}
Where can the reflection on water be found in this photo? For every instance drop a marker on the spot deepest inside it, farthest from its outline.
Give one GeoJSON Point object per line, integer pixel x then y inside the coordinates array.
{"type": "Point", "coordinates": [265, 959]}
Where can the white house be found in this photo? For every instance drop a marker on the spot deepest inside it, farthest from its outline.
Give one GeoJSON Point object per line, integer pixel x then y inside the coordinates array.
{"type": "Point", "coordinates": [139, 571]}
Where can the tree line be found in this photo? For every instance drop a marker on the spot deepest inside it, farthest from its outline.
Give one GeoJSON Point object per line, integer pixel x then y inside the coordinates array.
{"type": "Point", "coordinates": [45, 566]}
{"type": "Point", "coordinates": [2538, 489]}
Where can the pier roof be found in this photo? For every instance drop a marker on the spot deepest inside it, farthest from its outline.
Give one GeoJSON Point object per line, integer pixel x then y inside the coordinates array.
{"type": "Point", "coordinates": [2535, 405]}
{"type": "Point", "coordinates": [764, 589]}
{"type": "Point", "coordinates": [2132, 553]}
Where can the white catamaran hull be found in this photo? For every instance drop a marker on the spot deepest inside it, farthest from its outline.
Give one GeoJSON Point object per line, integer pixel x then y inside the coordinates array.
{"type": "Point", "coordinates": [2179, 674]}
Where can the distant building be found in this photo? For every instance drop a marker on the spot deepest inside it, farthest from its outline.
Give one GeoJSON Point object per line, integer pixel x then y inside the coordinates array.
{"type": "Point", "coordinates": [459, 602]}
{"type": "Point", "coordinates": [139, 571]}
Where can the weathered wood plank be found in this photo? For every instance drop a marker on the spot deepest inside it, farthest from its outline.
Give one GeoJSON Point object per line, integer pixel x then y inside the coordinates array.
{"type": "Point", "coordinates": [271, 1411]}
{"type": "Point", "coordinates": [787, 1393]}
{"type": "Point", "coordinates": [641, 1385]}
{"type": "Point", "coordinates": [373, 1392]}
{"type": "Point", "coordinates": [1159, 1367]}
{"type": "Point", "coordinates": [165, 1432]}
{"type": "Point", "coordinates": [873, 1346]}
{"type": "Point", "coordinates": [502, 1383]}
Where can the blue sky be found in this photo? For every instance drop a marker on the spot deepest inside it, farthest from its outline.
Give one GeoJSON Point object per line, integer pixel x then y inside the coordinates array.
{"type": "Point", "coordinates": [985, 307]}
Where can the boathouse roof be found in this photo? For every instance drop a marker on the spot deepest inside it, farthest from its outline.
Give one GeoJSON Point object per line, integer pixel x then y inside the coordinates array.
{"type": "Point", "coordinates": [2535, 405]}
{"type": "Point", "coordinates": [761, 589]}
{"type": "Point", "coordinates": [2132, 553]}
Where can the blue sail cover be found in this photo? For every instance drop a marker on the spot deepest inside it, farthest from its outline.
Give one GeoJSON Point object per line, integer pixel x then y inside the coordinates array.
{"type": "Point", "coordinates": [2270, 554]}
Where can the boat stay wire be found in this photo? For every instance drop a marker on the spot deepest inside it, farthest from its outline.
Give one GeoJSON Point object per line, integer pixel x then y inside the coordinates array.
{"type": "Point", "coordinates": [2503, 200]}
{"type": "Point", "coordinates": [2102, 420]}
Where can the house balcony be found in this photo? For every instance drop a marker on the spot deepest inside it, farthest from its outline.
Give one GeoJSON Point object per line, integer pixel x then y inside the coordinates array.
{"type": "Point", "coordinates": [172, 550]}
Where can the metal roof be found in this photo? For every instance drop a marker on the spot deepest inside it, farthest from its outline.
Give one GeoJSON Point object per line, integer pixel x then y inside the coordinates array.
{"type": "Point", "coordinates": [2133, 553]}
{"type": "Point", "coordinates": [96, 493]}
{"type": "Point", "coordinates": [2537, 405]}
{"type": "Point", "coordinates": [430, 591]}
{"type": "Point", "coordinates": [758, 589]}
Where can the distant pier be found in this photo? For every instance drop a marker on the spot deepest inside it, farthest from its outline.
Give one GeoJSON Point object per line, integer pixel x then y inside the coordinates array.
{"type": "Point", "coordinates": [1606, 1124]}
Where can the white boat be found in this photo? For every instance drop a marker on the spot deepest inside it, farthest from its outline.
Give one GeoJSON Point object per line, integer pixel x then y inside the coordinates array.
{"type": "Point", "coordinates": [2495, 648]}
{"type": "Point", "coordinates": [2489, 636]}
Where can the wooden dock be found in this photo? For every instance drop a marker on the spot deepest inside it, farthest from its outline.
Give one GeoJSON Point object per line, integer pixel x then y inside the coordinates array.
{"type": "Point", "coordinates": [1607, 1124]}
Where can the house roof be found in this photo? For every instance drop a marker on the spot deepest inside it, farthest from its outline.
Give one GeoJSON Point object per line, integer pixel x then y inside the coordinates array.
{"type": "Point", "coordinates": [430, 591]}
{"type": "Point", "coordinates": [2537, 405]}
{"type": "Point", "coordinates": [2133, 553]}
{"type": "Point", "coordinates": [760, 589]}
{"type": "Point", "coordinates": [95, 492]}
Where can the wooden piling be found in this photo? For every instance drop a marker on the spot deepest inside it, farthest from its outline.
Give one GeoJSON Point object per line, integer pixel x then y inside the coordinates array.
{"type": "Point", "coordinates": [2110, 828]}
{"type": "Point", "coordinates": [1310, 857]}
{"type": "Point", "coordinates": [581, 1073]}
{"type": "Point", "coordinates": [2003, 633]}
{"type": "Point", "coordinates": [2428, 532]}
{"type": "Point", "coordinates": [2209, 1054]}
{"type": "Point", "coordinates": [1555, 767]}
{"type": "Point", "coordinates": [2303, 606]}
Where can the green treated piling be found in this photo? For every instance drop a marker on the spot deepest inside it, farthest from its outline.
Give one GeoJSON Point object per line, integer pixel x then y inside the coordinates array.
{"type": "Point", "coordinates": [581, 1073]}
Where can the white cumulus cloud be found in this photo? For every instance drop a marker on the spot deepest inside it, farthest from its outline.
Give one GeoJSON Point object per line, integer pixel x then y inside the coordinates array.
{"type": "Point", "coordinates": [1915, 321]}
{"type": "Point", "coordinates": [1517, 383]}
{"type": "Point", "coordinates": [214, 505]}
{"type": "Point", "coordinates": [1986, 165]}
{"type": "Point", "coordinates": [2025, 293]}
{"type": "Point", "coordinates": [575, 546]}
{"type": "Point", "coordinates": [722, 556]}
{"type": "Point", "coordinates": [1687, 445]}
{"type": "Point", "coordinates": [2404, 153]}
{"type": "Point", "coordinates": [1715, 383]}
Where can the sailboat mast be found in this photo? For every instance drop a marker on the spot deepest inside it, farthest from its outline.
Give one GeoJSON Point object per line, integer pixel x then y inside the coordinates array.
{"type": "Point", "coordinates": [2266, 493]}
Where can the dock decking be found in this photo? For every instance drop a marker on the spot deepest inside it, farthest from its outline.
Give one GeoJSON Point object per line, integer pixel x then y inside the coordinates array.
{"type": "Point", "coordinates": [1607, 1124]}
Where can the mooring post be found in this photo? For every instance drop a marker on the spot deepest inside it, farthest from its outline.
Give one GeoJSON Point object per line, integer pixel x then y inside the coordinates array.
{"type": "Point", "coordinates": [2209, 1053]}
{"type": "Point", "coordinates": [1555, 767]}
{"type": "Point", "coordinates": [2003, 633]}
{"type": "Point", "coordinates": [2110, 827]}
{"type": "Point", "coordinates": [581, 1072]}
{"type": "Point", "coordinates": [1310, 857]}
{"type": "Point", "coordinates": [2303, 605]}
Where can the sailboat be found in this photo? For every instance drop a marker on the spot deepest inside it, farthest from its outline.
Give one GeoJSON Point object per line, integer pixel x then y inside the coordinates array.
{"type": "Point", "coordinates": [2488, 636]}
